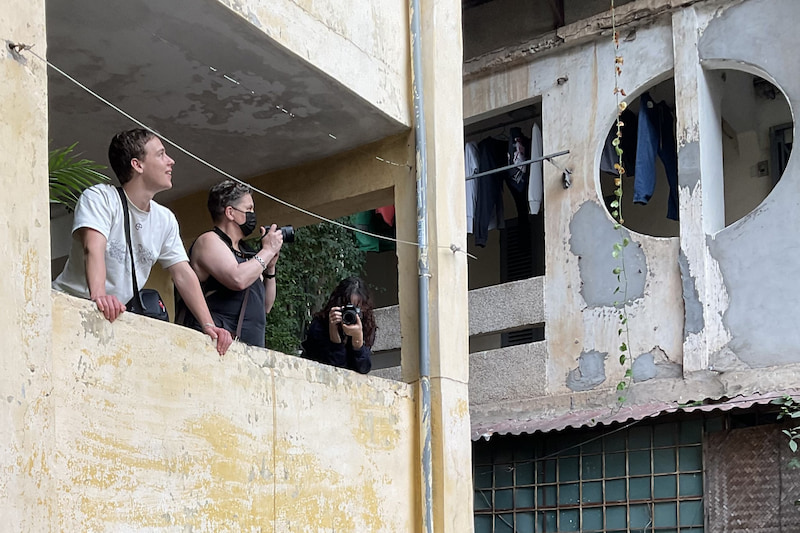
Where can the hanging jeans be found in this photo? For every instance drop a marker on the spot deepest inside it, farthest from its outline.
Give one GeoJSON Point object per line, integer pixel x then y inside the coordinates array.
{"type": "Point", "coordinates": [655, 136]}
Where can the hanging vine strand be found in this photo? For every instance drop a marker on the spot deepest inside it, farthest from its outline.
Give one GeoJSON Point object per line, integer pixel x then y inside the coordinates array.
{"type": "Point", "coordinates": [618, 250]}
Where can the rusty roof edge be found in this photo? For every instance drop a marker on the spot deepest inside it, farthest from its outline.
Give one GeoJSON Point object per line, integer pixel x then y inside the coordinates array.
{"type": "Point", "coordinates": [591, 418]}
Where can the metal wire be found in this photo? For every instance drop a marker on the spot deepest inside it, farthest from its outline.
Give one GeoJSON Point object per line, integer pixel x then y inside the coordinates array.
{"type": "Point", "coordinates": [22, 47]}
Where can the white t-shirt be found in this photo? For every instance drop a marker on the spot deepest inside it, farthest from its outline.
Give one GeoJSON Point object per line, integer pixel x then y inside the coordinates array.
{"type": "Point", "coordinates": [154, 237]}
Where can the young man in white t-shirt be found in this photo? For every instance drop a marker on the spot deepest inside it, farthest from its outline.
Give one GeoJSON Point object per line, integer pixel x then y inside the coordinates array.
{"type": "Point", "coordinates": [98, 266]}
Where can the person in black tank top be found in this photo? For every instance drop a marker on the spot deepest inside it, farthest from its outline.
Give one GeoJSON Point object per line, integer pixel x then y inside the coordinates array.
{"type": "Point", "coordinates": [238, 282]}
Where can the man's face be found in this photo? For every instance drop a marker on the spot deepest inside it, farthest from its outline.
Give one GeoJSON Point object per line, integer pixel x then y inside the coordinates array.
{"type": "Point", "coordinates": [156, 166]}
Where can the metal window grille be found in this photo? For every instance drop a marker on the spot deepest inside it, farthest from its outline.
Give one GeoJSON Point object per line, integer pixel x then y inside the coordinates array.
{"type": "Point", "coordinates": [646, 478]}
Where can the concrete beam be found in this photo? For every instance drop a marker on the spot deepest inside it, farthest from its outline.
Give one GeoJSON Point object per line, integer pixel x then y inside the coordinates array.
{"type": "Point", "coordinates": [628, 16]}
{"type": "Point", "coordinates": [361, 46]}
{"type": "Point", "coordinates": [493, 309]}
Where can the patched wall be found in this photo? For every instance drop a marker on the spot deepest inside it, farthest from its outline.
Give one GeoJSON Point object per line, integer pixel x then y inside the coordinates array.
{"type": "Point", "coordinates": [581, 287]}
{"type": "Point", "coordinates": [759, 256]}
{"type": "Point", "coordinates": [709, 305]}
{"type": "Point", "coordinates": [155, 432]}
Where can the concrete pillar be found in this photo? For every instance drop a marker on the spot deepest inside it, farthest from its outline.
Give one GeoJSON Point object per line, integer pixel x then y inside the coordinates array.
{"type": "Point", "coordinates": [449, 333]}
{"type": "Point", "coordinates": [27, 501]}
{"type": "Point", "coordinates": [701, 193]}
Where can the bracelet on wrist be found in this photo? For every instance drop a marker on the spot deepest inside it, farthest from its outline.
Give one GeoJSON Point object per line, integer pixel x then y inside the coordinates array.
{"type": "Point", "coordinates": [209, 325]}
{"type": "Point", "coordinates": [269, 276]}
{"type": "Point", "coordinates": [263, 264]}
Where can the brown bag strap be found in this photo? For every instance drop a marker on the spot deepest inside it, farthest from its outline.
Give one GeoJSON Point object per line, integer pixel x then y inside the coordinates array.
{"type": "Point", "coordinates": [241, 314]}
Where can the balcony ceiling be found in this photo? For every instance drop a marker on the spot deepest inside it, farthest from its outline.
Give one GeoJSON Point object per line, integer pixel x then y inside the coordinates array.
{"type": "Point", "coordinates": [202, 76]}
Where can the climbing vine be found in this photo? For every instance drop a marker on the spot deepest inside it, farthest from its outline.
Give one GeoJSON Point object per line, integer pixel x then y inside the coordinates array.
{"type": "Point", "coordinates": [618, 250]}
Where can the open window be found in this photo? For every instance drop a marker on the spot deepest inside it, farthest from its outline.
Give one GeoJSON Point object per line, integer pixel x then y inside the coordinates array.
{"type": "Point", "coordinates": [757, 137]}
{"type": "Point", "coordinates": [649, 157]}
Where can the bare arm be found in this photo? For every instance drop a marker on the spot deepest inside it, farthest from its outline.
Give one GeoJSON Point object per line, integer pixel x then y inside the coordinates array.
{"type": "Point", "coordinates": [188, 286]}
{"type": "Point", "coordinates": [210, 256]}
{"type": "Point", "coordinates": [94, 253]}
{"type": "Point", "coordinates": [270, 284]}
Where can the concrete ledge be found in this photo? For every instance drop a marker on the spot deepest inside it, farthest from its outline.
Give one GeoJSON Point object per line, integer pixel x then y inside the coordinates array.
{"type": "Point", "coordinates": [495, 309]}
{"type": "Point", "coordinates": [506, 307]}
{"type": "Point", "coordinates": [514, 372]}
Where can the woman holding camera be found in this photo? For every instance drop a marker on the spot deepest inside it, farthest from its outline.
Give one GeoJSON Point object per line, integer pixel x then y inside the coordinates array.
{"type": "Point", "coordinates": [343, 332]}
{"type": "Point", "coordinates": [238, 282]}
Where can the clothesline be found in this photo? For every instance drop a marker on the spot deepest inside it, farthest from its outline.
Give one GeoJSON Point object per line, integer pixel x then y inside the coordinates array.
{"type": "Point", "coordinates": [547, 157]}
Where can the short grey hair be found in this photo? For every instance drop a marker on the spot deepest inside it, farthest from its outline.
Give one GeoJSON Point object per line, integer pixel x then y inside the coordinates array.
{"type": "Point", "coordinates": [222, 195]}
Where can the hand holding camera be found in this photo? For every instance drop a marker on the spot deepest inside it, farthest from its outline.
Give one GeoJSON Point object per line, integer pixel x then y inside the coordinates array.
{"type": "Point", "coordinates": [273, 238]}
{"type": "Point", "coordinates": [349, 317]}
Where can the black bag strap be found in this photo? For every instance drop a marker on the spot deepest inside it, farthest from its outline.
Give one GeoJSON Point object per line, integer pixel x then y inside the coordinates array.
{"type": "Point", "coordinates": [137, 297]}
{"type": "Point", "coordinates": [241, 314]}
{"type": "Point", "coordinates": [227, 240]}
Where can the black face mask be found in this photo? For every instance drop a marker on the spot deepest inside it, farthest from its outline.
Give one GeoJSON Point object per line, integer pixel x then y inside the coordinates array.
{"type": "Point", "coordinates": [249, 223]}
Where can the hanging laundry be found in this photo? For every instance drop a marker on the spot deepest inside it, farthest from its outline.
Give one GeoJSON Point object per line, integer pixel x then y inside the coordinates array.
{"type": "Point", "coordinates": [535, 183]}
{"type": "Point", "coordinates": [387, 214]}
{"type": "Point", "coordinates": [471, 168]}
{"type": "Point", "coordinates": [374, 223]}
{"type": "Point", "coordinates": [489, 204]}
{"type": "Point", "coordinates": [519, 149]}
{"type": "Point", "coordinates": [655, 136]}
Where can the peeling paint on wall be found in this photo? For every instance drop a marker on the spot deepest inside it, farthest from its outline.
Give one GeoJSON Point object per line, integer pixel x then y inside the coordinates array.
{"type": "Point", "coordinates": [593, 235]}
{"type": "Point", "coordinates": [590, 373]}
{"type": "Point", "coordinates": [756, 257]}
{"type": "Point", "coordinates": [693, 309]}
{"type": "Point", "coordinates": [655, 365]}
{"type": "Point", "coordinates": [188, 440]}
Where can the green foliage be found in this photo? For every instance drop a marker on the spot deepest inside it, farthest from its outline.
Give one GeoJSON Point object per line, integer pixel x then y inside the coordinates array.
{"type": "Point", "coordinates": [308, 271]}
{"type": "Point", "coordinates": [790, 408]}
{"type": "Point", "coordinates": [70, 176]}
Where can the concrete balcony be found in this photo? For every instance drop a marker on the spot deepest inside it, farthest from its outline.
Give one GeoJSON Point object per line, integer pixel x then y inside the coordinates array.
{"type": "Point", "coordinates": [496, 375]}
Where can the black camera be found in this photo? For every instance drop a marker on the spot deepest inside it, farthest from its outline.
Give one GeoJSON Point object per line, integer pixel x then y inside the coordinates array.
{"type": "Point", "coordinates": [350, 314]}
{"type": "Point", "coordinates": [288, 233]}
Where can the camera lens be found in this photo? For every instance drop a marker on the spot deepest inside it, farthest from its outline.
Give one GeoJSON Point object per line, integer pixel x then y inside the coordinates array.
{"type": "Point", "coordinates": [350, 315]}
{"type": "Point", "coordinates": [349, 318]}
{"type": "Point", "coordinates": [288, 233]}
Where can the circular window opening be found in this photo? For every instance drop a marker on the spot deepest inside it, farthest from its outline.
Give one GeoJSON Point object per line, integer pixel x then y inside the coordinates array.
{"type": "Point", "coordinates": [756, 133]}
{"type": "Point", "coordinates": [757, 136]}
{"type": "Point", "coordinates": [649, 156]}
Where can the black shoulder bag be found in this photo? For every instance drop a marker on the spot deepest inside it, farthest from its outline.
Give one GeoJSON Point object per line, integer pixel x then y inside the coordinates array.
{"type": "Point", "coordinates": [146, 302]}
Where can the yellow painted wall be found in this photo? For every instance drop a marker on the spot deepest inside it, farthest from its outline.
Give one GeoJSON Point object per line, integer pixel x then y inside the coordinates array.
{"type": "Point", "coordinates": [156, 432]}
{"type": "Point", "coordinates": [26, 407]}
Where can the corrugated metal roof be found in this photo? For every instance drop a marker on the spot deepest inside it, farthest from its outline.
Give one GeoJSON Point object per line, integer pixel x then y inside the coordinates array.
{"type": "Point", "coordinates": [504, 424]}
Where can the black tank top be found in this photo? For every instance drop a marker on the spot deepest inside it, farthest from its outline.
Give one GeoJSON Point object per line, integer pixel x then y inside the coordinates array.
{"type": "Point", "coordinates": [226, 304]}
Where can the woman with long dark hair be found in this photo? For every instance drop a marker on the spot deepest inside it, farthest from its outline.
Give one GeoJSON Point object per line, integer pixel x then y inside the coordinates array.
{"type": "Point", "coordinates": [343, 332]}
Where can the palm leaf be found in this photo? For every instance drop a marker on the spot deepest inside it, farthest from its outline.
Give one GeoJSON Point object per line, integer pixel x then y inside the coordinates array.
{"type": "Point", "coordinates": [70, 176]}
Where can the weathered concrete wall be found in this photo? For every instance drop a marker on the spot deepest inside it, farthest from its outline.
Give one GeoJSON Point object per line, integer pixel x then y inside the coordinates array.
{"type": "Point", "coordinates": [26, 409]}
{"type": "Point", "coordinates": [581, 321]}
{"type": "Point", "coordinates": [705, 309]}
{"type": "Point", "coordinates": [759, 256]}
{"type": "Point", "coordinates": [345, 39]}
{"type": "Point", "coordinates": [164, 435]}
